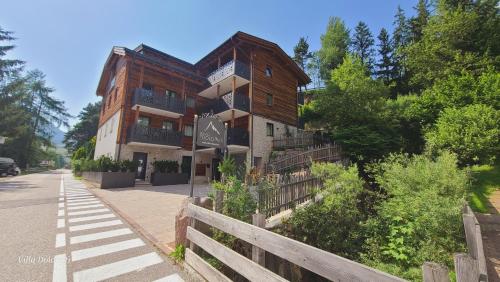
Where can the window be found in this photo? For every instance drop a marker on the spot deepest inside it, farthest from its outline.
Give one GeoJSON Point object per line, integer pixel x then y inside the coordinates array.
{"type": "Point", "coordinates": [188, 130]}
{"type": "Point", "coordinates": [269, 71]}
{"type": "Point", "coordinates": [112, 83]}
{"type": "Point", "coordinates": [143, 121]}
{"type": "Point", "coordinates": [269, 99]}
{"type": "Point", "coordinates": [190, 102]}
{"type": "Point", "coordinates": [170, 94]}
{"type": "Point", "coordinates": [269, 129]}
{"type": "Point", "coordinates": [168, 125]}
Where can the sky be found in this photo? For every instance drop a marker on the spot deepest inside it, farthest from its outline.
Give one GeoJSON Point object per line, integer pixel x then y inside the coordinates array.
{"type": "Point", "coordinates": [70, 40]}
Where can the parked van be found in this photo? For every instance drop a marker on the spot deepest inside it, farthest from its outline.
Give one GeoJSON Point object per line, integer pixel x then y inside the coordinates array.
{"type": "Point", "coordinates": [9, 167]}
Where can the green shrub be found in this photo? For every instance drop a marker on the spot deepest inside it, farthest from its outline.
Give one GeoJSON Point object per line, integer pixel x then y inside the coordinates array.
{"type": "Point", "coordinates": [129, 166]}
{"type": "Point", "coordinates": [178, 254]}
{"type": "Point", "coordinates": [421, 218]}
{"type": "Point", "coordinates": [167, 166]}
{"type": "Point", "coordinates": [472, 132]}
{"type": "Point", "coordinates": [238, 202]}
{"type": "Point", "coordinates": [105, 164]}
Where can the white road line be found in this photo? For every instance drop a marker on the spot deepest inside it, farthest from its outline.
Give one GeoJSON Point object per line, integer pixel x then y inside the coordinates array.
{"type": "Point", "coordinates": [60, 223]}
{"type": "Point", "coordinates": [117, 268]}
{"type": "Point", "coordinates": [100, 235]}
{"type": "Point", "coordinates": [60, 240]}
{"type": "Point", "coordinates": [81, 200]}
{"type": "Point", "coordinates": [88, 212]}
{"type": "Point", "coordinates": [59, 272]}
{"type": "Point", "coordinates": [61, 184]}
{"type": "Point", "coordinates": [79, 197]}
{"type": "Point", "coordinates": [86, 207]}
{"type": "Point", "coordinates": [106, 249]}
{"type": "Point", "coordinates": [171, 278]}
{"type": "Point", "coordinates": [95, 225]}
{"type": "Point", "coordinates": [60, 212]}
{"type": "Point", "coordinates": [61, 205]}
{"type": "Point", "coordinates": [93, 217]}
{"type": "Point", "coordinates": [77, 194]}
{"type": "Point", "coordinates": [61, 199]}
{"type": "Point", "coordinates": [84, 203]}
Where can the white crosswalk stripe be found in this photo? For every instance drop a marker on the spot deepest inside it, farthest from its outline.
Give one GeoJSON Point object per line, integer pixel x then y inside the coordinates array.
{"type": "Point", "coordinates": [92, 217]}
{"type": "Point", "coordinates": [106, 249]}
{"type": "Point", "coordinates": [171, 278]}
{"type": "Point", "coordinates": [85, 207]}
{"type": "Point", "coordinates": [81, 200]}
{"type": "Point", "coordinates": [95, 225]}
{"type": "Point", "coordinates": [88, 212]}
{"type": "Point", "coordinates": [99, 236]}
{"type": "Point", "coordinates": [83, 203]}
{"type": "Point", "coordinates": [117, 268]}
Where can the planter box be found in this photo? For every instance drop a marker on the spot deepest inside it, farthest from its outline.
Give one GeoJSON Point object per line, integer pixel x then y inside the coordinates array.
{"type": "Point", "coordinates": [110, 179]}
{"type": "Point", "coordinates": [159, 178]}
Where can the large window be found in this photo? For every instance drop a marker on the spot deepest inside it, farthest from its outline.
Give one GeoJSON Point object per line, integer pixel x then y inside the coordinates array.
{"type": "Point", "coordinates": [269, 129]}
{"type": "Point", "coordinates": [269, 99]}
{"type": "Point", "coordinates": [170, 94]}
{"type": "Point", "coordinates": [188, 130]}
{"type": "Point", "coordinates": [168, 125]}
{"type": "Point", "coordinates": [143, 121]}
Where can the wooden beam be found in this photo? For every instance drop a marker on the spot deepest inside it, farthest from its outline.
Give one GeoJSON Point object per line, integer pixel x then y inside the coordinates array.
{"type": "Point", "coordinates": [466, 268]}
{"type": "Point", "coordinates": [434, 272]}
{"type": "Point", "coordinates": [258, 254]}
{"type": "Point", "coordinates": [239, 263]}
{"type": "Point", "coordinates": [204, 268]}
{"type": "Point", "coordinates": [234, 53]}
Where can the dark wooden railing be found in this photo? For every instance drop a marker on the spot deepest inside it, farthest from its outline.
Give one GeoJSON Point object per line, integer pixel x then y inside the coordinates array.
{"type": "Point", "coordinates": [147, 98]}
{"type": "Point", "coordinates": [230, 68]}
{"type": "Point", "coordinates": [287, 192]}
{"type": "Point", "coordinates": [327, 153]}
{"type": "Point", "coordinates": [151, 135]}
{"type": "Point", "coordinates": [301, 140]}
{"type": "Point", "coordinates": [237, 136]}
{"type": "Point", "coordinates": [227, 102]}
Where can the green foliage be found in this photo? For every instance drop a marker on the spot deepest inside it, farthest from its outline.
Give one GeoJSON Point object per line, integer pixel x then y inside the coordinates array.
{"type": "Point", "coordinates": [362, 44]}
{"type": "Point", "coordinates": [227, 167]}
{"type": "Point", "coordinates": [238, 202]}
{"type": "Point", "coordinates": [336, 216]}
{"type": "Point", "coordinates": [86, 151]}
{"type": "Point", "coordinates": [334, 46]}
{"type": "Point", "coordinates": [84, 129]}
{"type": "Point", "coordinates": [385, 69]}
{"type": "Point", "coordinates": [103, 164]}
{"type": "Point", "coordinates": [486, 181]}
{"type": "Point", "coordinates": [472, 132]}
{"type": "Point", "coordinates": [167, 166]}
{"type": "Point", "coordinates": [301, 53]}
{"type": "Point", "coordinates": [129, 166]}
{"type": "Point", "coordinates": [421, 218]}
{"type": "Point", "coordinates": [178, 254]}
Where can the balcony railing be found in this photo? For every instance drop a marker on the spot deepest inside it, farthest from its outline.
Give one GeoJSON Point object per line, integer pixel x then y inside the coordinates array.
{"type": "Point", "coordinates": [230, 68]}
{"type": "Point", "coordinates": [158, 136]}
{"type": "Point", "coordinates": [227, 102]}
{"type": "Point", "coordinates": [237, 136]}
{"type": "Point", "coordinates": [147, 98]}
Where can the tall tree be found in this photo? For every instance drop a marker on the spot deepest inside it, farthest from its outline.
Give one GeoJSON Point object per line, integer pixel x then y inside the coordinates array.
{"type": "Point", "coordinates": [418, 22]}
{"type": "Point", "coordinates": [385, 65]}
{"type": "Point", "coordinates": [301, 53]}
{"type": "Point", "coordinates": [362, 44]}
{"type": "Point", "coordinates": [334, 46]}
{"type": "Point", "coordinates": [314, 69]}
{"type": "Point", "coordinates": [400, 39]}
{"type": "Point", "coordinates": [84, 129]}
{"type": "Point", "coordinates": [7, 66]}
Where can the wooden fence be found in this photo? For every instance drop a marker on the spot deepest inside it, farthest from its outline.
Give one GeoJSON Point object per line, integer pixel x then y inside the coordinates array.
{"type": "Point", "coordinates": [469, 266]}
{"type": "Point", "coordinates": [325, 264]}
{"type": "Point", "coordinates": [327, 153]}
{"type": "Point", "coordinates": [301, 140]}
{"type": "Point", "coordinates": [287, 192]}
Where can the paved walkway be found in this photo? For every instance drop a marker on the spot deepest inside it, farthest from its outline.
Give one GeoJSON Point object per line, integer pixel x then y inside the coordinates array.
{"type": "Point", "coordinates": [490, 228]}
{"type": "Point", "coordinates": [151, 209]}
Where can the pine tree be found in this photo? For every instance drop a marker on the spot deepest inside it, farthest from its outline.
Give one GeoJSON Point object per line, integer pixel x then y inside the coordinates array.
{"type": "Point", "coordinates": [362, 44]}
{"type": "Point", "coordinates": [400, 40]}
{"type": "Point", "coordinates": [84, 129]}
{"type": "Point", "coordinates": [418, 22]}
{"type": "Point", "coordinates": [385, 65]}
{"type": "Point", "coordinates": [8, 67]}
{"type": "Point", "coordinates": [301, 53]}
{"type": "Point", "coordinates": [334, 46]}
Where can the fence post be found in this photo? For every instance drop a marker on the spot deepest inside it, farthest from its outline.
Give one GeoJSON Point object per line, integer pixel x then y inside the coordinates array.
{"type": "Point", "coordinates": [466, 268]}
{"type": "Point", "coordinates": [193, 224]}
{"type": "Point", "coordinates": [434, 272]}
{"type": "Point", "coordinates": [258, 254]}
{"type": "Point", "coordinates": [219, 198]}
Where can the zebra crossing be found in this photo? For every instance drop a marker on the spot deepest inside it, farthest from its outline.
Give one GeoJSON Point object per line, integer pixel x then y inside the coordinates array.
{"type": "Point", "coordinates": [94, 244]}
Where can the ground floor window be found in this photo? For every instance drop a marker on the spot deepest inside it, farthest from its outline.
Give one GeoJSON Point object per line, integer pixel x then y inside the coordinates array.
{"type": "Point", "coordinates": [168, 125]}
{"type": "Point", "coordinates": [269, 129]}
{"type": "Point", "coordinates": [188, 130]}
{"type": "Point", "coordinates": [143, 121]}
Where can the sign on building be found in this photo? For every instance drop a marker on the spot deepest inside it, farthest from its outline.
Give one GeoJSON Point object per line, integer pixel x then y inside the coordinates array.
{"type": "Point", "coordinates": [2, 140]}
{"type": "Point", "coordinates": [211, 132]}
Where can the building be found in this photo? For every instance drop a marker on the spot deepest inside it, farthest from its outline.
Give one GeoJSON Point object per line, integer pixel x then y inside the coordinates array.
{"type": "Point", "coordinates": [150, 99]}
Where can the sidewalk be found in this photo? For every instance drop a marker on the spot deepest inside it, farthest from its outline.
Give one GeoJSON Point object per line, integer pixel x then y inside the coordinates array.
{"type": "Point", "coordinates": [490, 229]}
{"type": "Point", "coordinates": [150, 210]}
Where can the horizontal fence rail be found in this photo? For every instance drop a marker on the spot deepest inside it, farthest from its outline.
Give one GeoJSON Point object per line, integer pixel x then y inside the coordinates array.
{"type": "Point", "coordinates": [300, 140]}
{"type": "Point", "coordinates": [328, 153]}
{"type": "Point", "coordinates": [318, 261]}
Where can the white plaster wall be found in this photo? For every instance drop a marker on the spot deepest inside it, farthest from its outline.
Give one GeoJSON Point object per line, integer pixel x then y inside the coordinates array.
{"type": "Point", "coordinates": [106, 137]}
{"type": "Point", "coordinates": [262, 144]}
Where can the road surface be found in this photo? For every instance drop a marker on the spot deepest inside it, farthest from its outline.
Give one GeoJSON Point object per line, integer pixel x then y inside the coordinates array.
{"type": "Point", "coordinates": [53, 229]}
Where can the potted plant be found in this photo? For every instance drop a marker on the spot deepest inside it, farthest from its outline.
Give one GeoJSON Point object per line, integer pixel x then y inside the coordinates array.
{"type": "Point", "coordinates": [166, 172]}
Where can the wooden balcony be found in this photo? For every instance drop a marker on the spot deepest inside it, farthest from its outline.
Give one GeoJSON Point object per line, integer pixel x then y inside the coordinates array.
{"type": "Point", "coordinates": [224, 106]}
{"type": "Point", "coordinates": [238, 141]}
{"type": "Point", "coordinates": [153, 103]}
{"type": "Point", "coordinates": [157, 137]}
{"type": "Point", "coordinates": [222, 78]}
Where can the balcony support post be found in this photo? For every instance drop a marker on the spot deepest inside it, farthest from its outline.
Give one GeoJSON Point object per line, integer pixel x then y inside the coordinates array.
{"type": "Point", "coordinates": [137, 113]}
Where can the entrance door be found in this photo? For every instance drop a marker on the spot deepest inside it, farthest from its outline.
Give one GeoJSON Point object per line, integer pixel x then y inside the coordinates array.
{"type": "Point", "coordinates": [215, 169]}
{"type": "Point", "coordinates": [186, 165]}
{"type": "Point", "coordinates": [142, 159]}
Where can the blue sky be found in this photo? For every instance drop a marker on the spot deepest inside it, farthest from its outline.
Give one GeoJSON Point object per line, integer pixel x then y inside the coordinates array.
{"type": "Point", "coordinates": [70, 40]}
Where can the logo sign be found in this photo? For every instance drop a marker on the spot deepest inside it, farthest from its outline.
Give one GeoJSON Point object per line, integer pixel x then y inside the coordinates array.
{"type": "Point", "coordinates": [2, 140]}
{"type": "Point", "coordinates": [211, 132]}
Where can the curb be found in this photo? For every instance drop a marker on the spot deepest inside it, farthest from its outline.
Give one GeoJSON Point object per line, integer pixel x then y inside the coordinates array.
{"type": "Point", "coordinates": [166, 249]}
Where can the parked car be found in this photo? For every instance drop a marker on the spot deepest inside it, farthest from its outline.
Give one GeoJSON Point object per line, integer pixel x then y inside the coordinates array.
{"type": "Point", "coordinates": [9, 167]}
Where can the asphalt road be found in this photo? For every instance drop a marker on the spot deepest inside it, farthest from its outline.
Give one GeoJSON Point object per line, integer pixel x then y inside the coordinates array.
{"type": "Point", "coordinates": [53, 229]}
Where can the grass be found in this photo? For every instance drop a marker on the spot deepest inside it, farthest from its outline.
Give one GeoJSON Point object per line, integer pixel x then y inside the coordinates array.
{"type": "Point", "coordinates": [486, 180]}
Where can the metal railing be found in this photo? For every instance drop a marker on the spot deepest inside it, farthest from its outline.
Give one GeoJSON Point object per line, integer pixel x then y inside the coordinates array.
{"type": "Point", "coordinates": [232, 67]}
{"type": "Point", "coordinates": [148, 98]}
{"type": "Point", "coordinates": [151, 135]}
{"type": "Point", "coordinates": [238, 136]}
{"type": "Point", "coordinates": [227, 102]}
